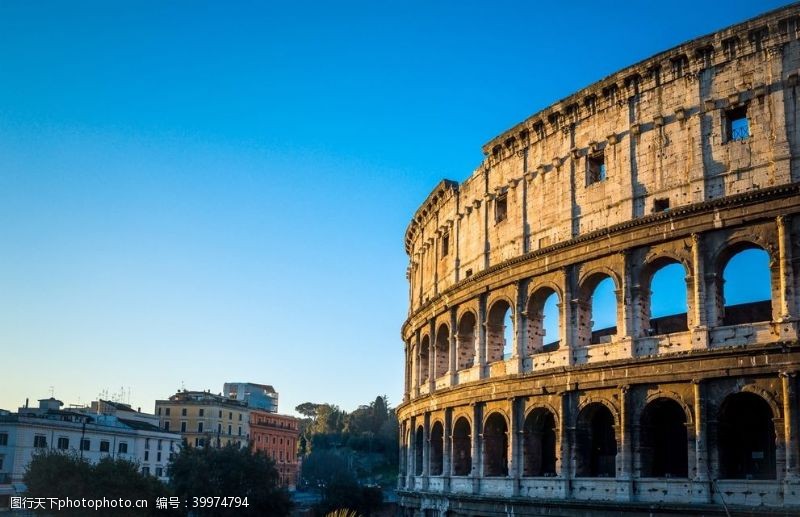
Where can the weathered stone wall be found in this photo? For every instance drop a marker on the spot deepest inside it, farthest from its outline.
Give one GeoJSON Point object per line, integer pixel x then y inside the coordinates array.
{"type": "Point", "coordinates": [584, 420]}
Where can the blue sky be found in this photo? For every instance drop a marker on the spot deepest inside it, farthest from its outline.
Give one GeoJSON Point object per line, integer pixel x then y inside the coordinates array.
{"type": "Point", "coordinates": [193, 193]}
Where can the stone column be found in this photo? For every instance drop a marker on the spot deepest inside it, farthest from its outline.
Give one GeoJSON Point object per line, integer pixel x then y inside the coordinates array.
{"type": "Point", "coordinates": [477, 447]}
{"type": "Point", "coordinates": [515, 443]}
{"type": "Point", "coordinates": [701, 492]}
{"type": "Point", "coordinates": [625, 450]}
{"type": "Point", "coordinates": [480, 353]}
{"type": "Point", "coordinates": [453, 358]}
{"type": "Point", "coordinates": [787, 295]}
{"type": "Point", "coordinates": [518, 351]}
{"type": "Point", "coordinates": [789, 391]}
{"type": "Point", "coordinates": [415, 371]}
{"type": "Point", "coordinates": [700, 322]}
{"type": "Point", "coordinates": [625, 308]}
{"type": "Point", "coordinates": [411, 466]}
{"type": "Point", "coordinates": [432, 357]}
{"type": "Point", "coordinates": [447, 449]}
{"type": "Point", "coordinates": [566, 437]}
{"type": "Point", "coordinates": [407, 373]}
{"type": "Point", "coordinates": [426, 451]}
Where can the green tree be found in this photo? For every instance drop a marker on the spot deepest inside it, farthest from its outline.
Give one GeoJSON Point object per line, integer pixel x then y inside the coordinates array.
{"type": "Point", "coordinates": [227, 472]}
{"type": "Point", "coordinates": [66, 475]}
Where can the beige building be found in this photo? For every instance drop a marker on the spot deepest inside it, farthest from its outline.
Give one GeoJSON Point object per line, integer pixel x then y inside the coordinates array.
{"type": "Point", "coordinates": [687, 159]}
{"type": "Point", "coordinates": [205, 419]}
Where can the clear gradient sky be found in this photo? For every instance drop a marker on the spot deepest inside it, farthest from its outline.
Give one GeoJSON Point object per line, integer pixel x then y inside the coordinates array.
{"type": "Point", "coordinates": [193, 192]}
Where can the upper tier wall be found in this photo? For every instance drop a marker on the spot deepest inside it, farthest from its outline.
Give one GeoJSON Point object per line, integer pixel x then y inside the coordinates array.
{"type": "Point", "coordinates": [666, 131]}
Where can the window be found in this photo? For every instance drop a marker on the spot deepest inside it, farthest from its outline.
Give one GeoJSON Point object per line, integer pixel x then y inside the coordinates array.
{"type": "Point", "coordinates": [445, 244]}
{"type": "Point", "coordinates": [166, 411]}
{"type": "Point", "coordinates": [202, 412]}
{"type": "Point", "coordinates": [146, 471]}
{"type": "Point", "coordinates": [595, 168]}
{"type": "Point", "coordinates": [219, 428]}
{"type": "Point", "coordinates": [123, 448]}
{"type": "Point", "coordinates": [86, 444]}
{"type": "Point", "coordinates": [200, 427]}
{"type": "Point", "coordinates": [183, 411]}
{"type": "Point", "coordinates": [229, 430]}
{"type": "Point", "coordinates": [240, 417]}
{"type": "Point", "coordinates": [2, 458]}
{"type": "Point", "coordinates": [158, 456]}
{"type": "Point", "coordinates": [661, 205]}
{"type": "Point", "coordinates": [183, 427]}
{"type": "Point", "coordinates": [159, 445]}
{"type": "Point", "coordinates": [147, 443]}
{"type": "Point", "coordinates": [468, 273]}
{"type": "Point", "coordinates": [159, 472]}
{"type": "Point", "coordinates": [40, 441]}
{"type": "Point", "coordinates": [220, 413]}
{"type": "Point", "coordinates": [146, 455]}
{"type": "Point", "coordinates": [240, 430]}
{"type": "Point", "coordinates": [230, 415]}
{"type": "Point", "coordinates": [166, 425]}
{"type": "Point", "coordinates": [105, 446]}
{"type": "Point", "coordinates": [737, 127]}
{"type": "Point", "coordinates": [63, 443]}
{"type": "Point", "coordinates": [201, 442]}
{"type": "Point", "coordinates": [158, 411]}
{"type": "Point", "coordinates": [500, 208]}
{"type": "Point", "coordinates": [3, 438]}
{"type": "Point", "coordinates": [679, 66]}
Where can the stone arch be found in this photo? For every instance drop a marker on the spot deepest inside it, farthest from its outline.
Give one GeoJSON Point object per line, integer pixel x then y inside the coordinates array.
{"type": "Point", "coordinates": [587, 333]}
{"type": "Point", "coordinates": [595, 441]}
{"type": "Point", "coordinates": [653, 321]}
{"type": "Point", "coordinates": [746, 436]}
{"type": "Point", "coordinates": [539, 442]}
{"type": "Point", "coordinates": [465, 340]}
{"type": "Point", "coordinates": [424, 358]}
{"type": "Point", "coordinates": [495, 445]}
{"type": "Point", "coordinates": [663, 439]}
{"type": "Point", "coordinates": [496, 323]}
{"type": "Point", "coordinates": [462, 447]}
{"type": "Point", "coordinates": [442, 365]}
{"type": "Point", "coordinates": [437, 449]}
{"type": "Point", "coordinates": [537, 338]}
{"type": "Point", "coordinates": [747, 312]}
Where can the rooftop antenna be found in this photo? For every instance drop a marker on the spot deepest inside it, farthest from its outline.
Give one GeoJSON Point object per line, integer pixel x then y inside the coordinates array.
{"type": "Point", "coordinates": [52, 391]}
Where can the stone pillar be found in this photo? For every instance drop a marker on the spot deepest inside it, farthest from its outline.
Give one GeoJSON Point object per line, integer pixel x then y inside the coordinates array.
{"type": "Point", "coordinates": [566, 315]}
{"type": "Point", "coordinates": [426, 450]}
{"type": "Point", "coordinates": [566, 438]}
{"type": "Point", "coordinates": [432, 357]}
{"type": "Point", "coordinates": [518, 350]}
{"type": "Point", "coordinates": [515, 443]}
{"type": "Point", "coordinates": [477, 447]}
{"type": "Point", "coordinates": [453, 358]}
{"type": "Point", "coordinates": [415, 371]}
{"type": "Point", "coordinates": [625, 449]}
{"type": "Point", "coordinates": [407, 374]}
{"type": "Point", "coordinates": [411, 466]}
{"type": "Point", "coordinates": [790, 432]}
{"type": "Point", "coordinates": [787, 295]}
{"type": "Point", "coordinates": [625, 308]}
{"type": "Point", "coordinates": [700, 322]}
{"type": "Point", "coordinates": [480, 353]}
{"type": "Point", "coordinates": [447, 449]}
{"type": "Point", "coordinates": [701, 492]}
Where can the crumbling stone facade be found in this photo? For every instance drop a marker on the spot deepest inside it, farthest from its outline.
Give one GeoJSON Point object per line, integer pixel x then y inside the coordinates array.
{"type": "Point", "coordinates": [689, 158]}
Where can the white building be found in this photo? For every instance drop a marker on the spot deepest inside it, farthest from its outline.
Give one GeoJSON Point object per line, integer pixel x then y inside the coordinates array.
{"type": "Point", "coordinates": [105, 429]}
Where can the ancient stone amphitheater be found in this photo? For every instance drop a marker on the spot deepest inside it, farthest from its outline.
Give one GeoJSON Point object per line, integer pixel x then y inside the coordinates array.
{"type": "Point", "coordinates": [689, 158]}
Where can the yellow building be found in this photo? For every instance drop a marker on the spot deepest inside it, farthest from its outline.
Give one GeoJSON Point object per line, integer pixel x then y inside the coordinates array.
{"type": "Point", "coordinates": [205, 419]}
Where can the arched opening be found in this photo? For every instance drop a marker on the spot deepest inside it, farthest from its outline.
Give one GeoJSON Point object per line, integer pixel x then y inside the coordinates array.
{"type": "Point", "coordinates": [465, 340]}
{"type": "Point", "coordinates": [419, 441]}
{"type": "Point", "coordinates": [495, 446]}
{"type": "Point", "coordinates": [499, 332]}
{"type": "Point", "coordinates": [539, 443]}
{"type": "Point", "coordinates": [597, 310]}
{"type": "Point", "coordinates": [462, 448]}
{"type": "Point", "coordinates": [663, 448]}
{"type": "Point", "coordinates": [424, 357]}
{"type": "Point", "coordinates": [442, 351]}
{"type": "Point", "coordinates": [746, 285]}
{"type": "Point", "coordinates": [665, 308]}
{"type": "Point", "coordinates": [595, 442]}
{"type": "Point", "coordinates": [437, 448]}
{"type": "Point", "coordinates": [544, 328]}
{"type": "Point", "coordinates": [746, 438]}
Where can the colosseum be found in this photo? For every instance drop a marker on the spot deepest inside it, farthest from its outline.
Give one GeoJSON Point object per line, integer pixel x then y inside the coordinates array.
{"type": "Point", "coordinates": [519, 397]}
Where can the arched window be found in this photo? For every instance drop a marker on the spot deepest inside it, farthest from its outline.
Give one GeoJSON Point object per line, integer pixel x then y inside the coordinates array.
{"type": "Point", "coordinates": [465, 340]}
{"type": "Point", "coordinates": [499, 331]}
{"type": "Point", "coordinates": [666, 311]}
{"type": "Point", "coordinates": [746, 438]}
{"type": "Point", "coordinates": [539, 443]}
{"type": "Point", "coordinates": [437, 448]}
{"type": "Point", "coordinates": [597, 310]}
{"type": "Point", "coordinates": [495, 446]}
{"type": "Point", "coordinates": [424, 356]}
{"type": "Point", "coordinates": [596, 442]}
{"type": "Point", "coordinates": [746, 285]}
{"type": "Point", "coordinates": [419, 442]}
{"type": "Point", "coordinates": [462, 448]}
{"type": "Point", "coordinates": [442, 350]}
{"type": "Point", "coordinates": [543, 321]}
{"type": "Point", "coordinates": [664, 449]}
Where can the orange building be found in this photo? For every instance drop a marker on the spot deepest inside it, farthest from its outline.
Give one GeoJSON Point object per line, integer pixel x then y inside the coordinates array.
{"type": "Point", "coordinates": [277, 435]}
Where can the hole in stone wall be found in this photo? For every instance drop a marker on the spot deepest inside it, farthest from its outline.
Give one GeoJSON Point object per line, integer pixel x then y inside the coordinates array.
{"type": "Point", "coordinates": [746, 438]}
{"type": "Point", "coordinates": [462, 448]}
{"type": "Point", "coordinates": [747, 287]}
{"type": "Point", "coordinates": [419, 441]}
{"type": "Point", "coordinates": [668, 300]}
{"type": "Point", "coordinates": [465, 341]}
{"type": "Point", "coordinates": [661, 204]}
{"type": "Point", "coordinates": [495, 446]}
{"type": "Point", "coordinates": [496, 331]}
{"type": "Point", "coordinates": [539, 444]}
{"type": "Point", "coordinates": [595, 168]}
{"type": "Point", "coordinates": [603, 311]}
{"type": "Point", "coordinates": [663, 450]}
{"type": "Point", "coordinates": [595, 442]}
{"type": "Point", "coordinates": [437, 448]}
